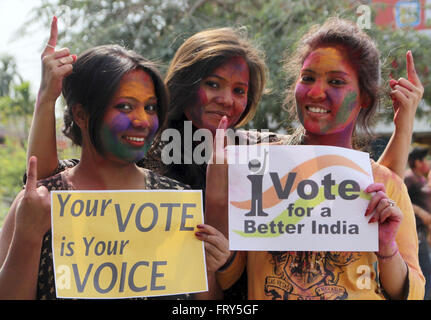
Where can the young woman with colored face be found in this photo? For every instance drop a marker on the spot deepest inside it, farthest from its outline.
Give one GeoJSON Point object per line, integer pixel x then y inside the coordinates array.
{"type": "Point", "coordinates": [116, 103]}
{"type": "Point", "coordinates": [337, 90]}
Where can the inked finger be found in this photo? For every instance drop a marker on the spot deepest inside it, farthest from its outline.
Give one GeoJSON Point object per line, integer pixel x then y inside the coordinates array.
{"type": "Point", "coordinates": [52, 41]}
{"type": "Point", "coordinates": [219, 141]}
{"type": "Point", "coordinates": [411, 70]}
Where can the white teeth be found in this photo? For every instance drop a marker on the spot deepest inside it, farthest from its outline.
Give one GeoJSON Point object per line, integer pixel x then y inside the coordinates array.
{"type": "Point", "coordinates": [317, 110]}
{"type": "Point", "coordinates": [135, 139]}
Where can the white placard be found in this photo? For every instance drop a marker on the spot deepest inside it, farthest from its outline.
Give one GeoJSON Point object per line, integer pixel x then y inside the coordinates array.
{"type": "Point", "coordinates": [299, 198]}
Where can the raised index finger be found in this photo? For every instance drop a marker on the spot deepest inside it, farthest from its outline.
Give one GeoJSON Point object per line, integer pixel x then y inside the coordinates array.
{"type": "Point", "coordinates": [219, 141]}
{"type": "Point", "coordinates": [52, 42]}
{"type": "Point", "coordinates": [30, 184]}
{"type": "Point", "coordinates": [412, 76]}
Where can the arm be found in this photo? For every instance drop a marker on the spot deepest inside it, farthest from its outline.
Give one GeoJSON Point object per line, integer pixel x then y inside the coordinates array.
{"type": "Point", "coordinates": [424, 215]}
{"type": "Point", "coordinates": [400, 274]}
{"type": "Point", "coordinates": [393, 270]}
{"type": "Point", "coordinates": [406, 95]}
{"type": "Point", "coordinates": [21, 239]}
{"type": "Point", "coordinates": [42, 137]}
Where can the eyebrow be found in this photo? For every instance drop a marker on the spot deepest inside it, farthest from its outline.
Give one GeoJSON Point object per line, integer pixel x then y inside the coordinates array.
{"type": "Point", "coordinates": [221, 78]}
{"type": "Point", "coordinates": [152, 98]}
{"type": "Point", "coordinates": [329, 72]}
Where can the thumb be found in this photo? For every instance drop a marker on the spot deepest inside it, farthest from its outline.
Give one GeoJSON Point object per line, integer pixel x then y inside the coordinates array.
{"type": "Point", "coordinates": [31, 175]}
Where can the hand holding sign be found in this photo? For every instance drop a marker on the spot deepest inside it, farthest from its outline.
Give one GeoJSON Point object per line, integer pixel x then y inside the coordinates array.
{"type": "Point", "coordinates": [216, 246]}
{"type": "Point", "coordinates": [387, 214]}
{"type": "Point", "coordinates": [55, 66]}
{"type": "Point", "coordinates": [33, 216]}
{"type": "Point", "coordinates": [406, 95]}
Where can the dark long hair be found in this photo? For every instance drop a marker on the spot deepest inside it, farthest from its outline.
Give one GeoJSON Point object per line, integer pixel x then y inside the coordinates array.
{"type": "Point", "coordinates": [93, 82]}
{"type": "Point", "coordinates": [203, 52]}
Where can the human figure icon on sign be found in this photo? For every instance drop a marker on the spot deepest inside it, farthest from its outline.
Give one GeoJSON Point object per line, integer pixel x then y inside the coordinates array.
{"type": "Point", "coordinates": [256, 179]}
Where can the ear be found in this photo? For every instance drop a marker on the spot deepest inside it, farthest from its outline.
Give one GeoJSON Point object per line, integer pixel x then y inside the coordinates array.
{"type": "Point", "coordinates": [80, 116]}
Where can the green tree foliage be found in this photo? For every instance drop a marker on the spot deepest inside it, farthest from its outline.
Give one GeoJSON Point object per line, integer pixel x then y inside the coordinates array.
{"type": "Point", "coordinates": [16, 109]}
{"type": "Point", "coordinates": [156, 28]}
{"type": "Point", "coordinates": [12, 168]}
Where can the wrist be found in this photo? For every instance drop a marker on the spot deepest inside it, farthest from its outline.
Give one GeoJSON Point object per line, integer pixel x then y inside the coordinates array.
{"type": "Point", "coordinates": [404, 131]}
{"type": "Point", "coordinates": [387, 251]}
{"type": "Point", "coordinates": [29, 240]}
{"type": "Point", "coordinates": [45, 100]}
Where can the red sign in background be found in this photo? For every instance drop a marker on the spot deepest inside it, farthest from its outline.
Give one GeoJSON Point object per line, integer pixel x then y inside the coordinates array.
{"type": "Point", "coordinates": [414, 14]}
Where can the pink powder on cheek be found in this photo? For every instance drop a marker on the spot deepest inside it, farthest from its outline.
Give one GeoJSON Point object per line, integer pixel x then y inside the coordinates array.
{"type": "Point", "coordinates": [194, 112]}
{"type": "Point", "coordinates": [201, 98]}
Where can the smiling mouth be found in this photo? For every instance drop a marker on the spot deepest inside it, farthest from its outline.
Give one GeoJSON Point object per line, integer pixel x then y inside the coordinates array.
{"type": "Point", "coordinates": [218, 113]}
{"type": "Point", "coordinates": [316, 109]}
{"type": "Point", "coordinates": [135, 141]}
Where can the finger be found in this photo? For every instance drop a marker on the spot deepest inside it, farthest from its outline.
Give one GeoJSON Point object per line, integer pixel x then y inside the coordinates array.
{"type": "Point", "coordinates": [406, 92]}
{"type": "Point", "coordinates": [215, 241]}
{"type": "Point", "coordinates": [375, 187]}
{"type": "Point", "coordinates": [65, 70]}
{"type": "Point", "coordinates": [374, 202]}
{"type": "Point", "coordinates": [392, 83]}
{"type": "Point", "coordinates": [418, 90]}
{"type": "Point", "coordinates": [52, 41]}
{"type": "Point", "coordinates": [411, 70]}
{"type": "Point", "coordinates": [383, 204]}
{"type": "Point", "coordinates": [66, 60]}
{"type": "Point", "coordinates": [207, 229]}
{"type": "Point", "coordinates": [386, 213]}
{"type": "Point", "coordinates": [30, 184]}
{"type": "Point", "coordinates": [398, 96]}
{"type": "Point", "coordinates": [405, 83]}
{"type": "Point", "coordinates": [219, 141]}
{"type": "Point", "coordinates": [212, 252]}
{"type": "Point", "coordinates": [63, 52]}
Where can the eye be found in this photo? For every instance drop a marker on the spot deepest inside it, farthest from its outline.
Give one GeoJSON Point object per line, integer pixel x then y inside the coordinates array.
{"type": "Point", "coordinates": [212, 84]}
{"type": "Point", "coordinates": [124, 107]}
{"type": "Point", "coordinates": [306, 79]}
{"type": "Point", "coordinates": [240, 90]}
{"type": "Point", "coordinates": [337, 82]}
{"type": "Point", "coordinates": [151, 108]}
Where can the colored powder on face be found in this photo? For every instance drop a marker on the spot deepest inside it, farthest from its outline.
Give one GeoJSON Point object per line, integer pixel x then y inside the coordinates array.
{"type": "Point", "coordinates": [346, 108]}
{"type": "Point", "coordinates": [112, 142]}
{"type": "Point", "coordinates": [344, 112]}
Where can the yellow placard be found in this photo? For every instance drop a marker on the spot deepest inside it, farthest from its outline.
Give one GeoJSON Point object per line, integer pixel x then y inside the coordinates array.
{"type": "Point", "coordinates": [120, 244]}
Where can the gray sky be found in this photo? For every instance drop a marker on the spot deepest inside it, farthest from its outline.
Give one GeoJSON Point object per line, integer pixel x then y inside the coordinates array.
{"type": "Point", "coordinates": [26, 50]}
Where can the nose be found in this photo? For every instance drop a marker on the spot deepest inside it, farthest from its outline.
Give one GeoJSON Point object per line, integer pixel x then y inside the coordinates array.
{"type": "Point", "coordinates": [317, 91]}
{"type": "Point", "coordinates": [225, 98]}
{"type": "Point", "coordinates": [140, 118]}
